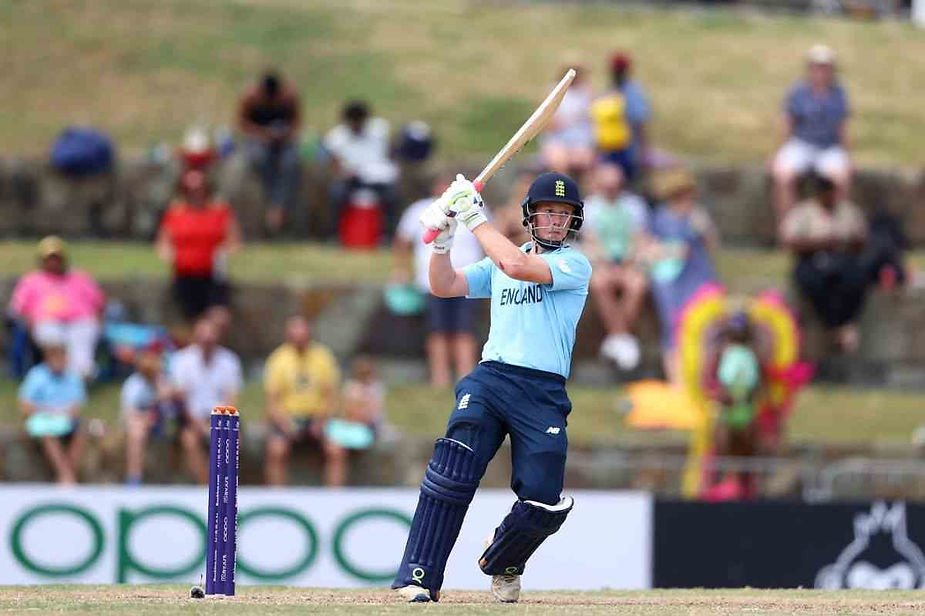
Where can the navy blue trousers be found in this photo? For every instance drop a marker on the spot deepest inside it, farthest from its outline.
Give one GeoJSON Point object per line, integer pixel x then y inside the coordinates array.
{"type": "Point", "coordinates": [496, 400]}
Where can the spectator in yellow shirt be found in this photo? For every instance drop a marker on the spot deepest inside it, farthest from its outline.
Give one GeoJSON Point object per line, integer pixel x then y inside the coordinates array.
{"type": "Point", "coordinates": [301, 383]}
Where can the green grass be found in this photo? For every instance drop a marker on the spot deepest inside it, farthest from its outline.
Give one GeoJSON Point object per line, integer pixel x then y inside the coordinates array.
{"type": "Point", "coordinates": [145, 69]}
{"type": "Point", "coordinates": [823, 414]}
{"type": "Point", "coordinates": [274, 600]}
{"type": "Point", "coordinates": [743, 269]}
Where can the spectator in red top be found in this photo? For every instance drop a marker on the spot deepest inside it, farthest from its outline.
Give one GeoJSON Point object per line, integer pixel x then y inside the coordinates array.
{"type": "Point", "coordinates": [196, 235]}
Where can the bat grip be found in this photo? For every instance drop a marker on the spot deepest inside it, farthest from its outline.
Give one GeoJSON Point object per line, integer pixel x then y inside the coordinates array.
{"type": "Point", "coordinates": [431, 234]}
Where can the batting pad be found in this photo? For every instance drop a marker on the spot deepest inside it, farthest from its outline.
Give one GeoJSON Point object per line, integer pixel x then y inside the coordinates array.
{"type": "Point", "coordinates": [449, 484]}
{"type": "Point", "coordinates": [521, 533]}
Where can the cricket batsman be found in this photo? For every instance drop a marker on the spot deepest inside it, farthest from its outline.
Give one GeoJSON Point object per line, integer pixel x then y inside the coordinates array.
{"type": "Point", "coordinates": [537, 293]}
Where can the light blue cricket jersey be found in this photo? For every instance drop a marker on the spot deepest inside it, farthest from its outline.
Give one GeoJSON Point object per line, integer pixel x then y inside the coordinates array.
{"type": "Point", "coordinates": [533, 325]}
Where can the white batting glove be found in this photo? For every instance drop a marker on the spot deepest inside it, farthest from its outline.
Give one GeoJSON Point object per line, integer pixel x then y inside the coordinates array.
{"type": "Point", "coordinates": [444, 242]}
{"type": "Point", "coordinates": [434, 216]}
{"type": "Point", "coordinates": [463, 202]}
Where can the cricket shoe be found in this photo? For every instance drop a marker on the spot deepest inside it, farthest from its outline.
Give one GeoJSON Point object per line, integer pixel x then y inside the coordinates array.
{"type": "Point", "coordinates": [414, 594]}
{"type": "Point", "coordinates": [505, 588]}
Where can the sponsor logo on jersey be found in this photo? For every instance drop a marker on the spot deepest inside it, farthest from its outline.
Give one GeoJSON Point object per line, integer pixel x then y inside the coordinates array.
{"type": "Point", "coordinates": [553, 430]}
{"type": "Point", "coordinates": [464, 402]}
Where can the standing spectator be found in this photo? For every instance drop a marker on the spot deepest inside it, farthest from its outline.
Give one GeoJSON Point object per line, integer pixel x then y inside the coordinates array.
{"type": "Point", "coordinates": [196, 236]}
{"type": "Point", "coordinates": [815, 131]}
{"type": "Point", "coordinates": [270, 117]}
{"type": "Point", "coordinates": [301, 382]}
{"type": "Point", "coordinates": [615, 221]}
{"type": "Point", "coordinates": [567, 145]}
{"type": "Point", "coordinates": [205, 375]}
{"type": "Point", "coordinates": [51, 397]}
{"type": "Point", "coordinates": [826, 236]}
{"type": "Point", "coordinates": [735, 381]}
{"type": "Point", "coordinates": [58, 303]}
{"type": "Point", "coordinates": [621, 116]}
{"type": "Point", "coordinates": [359, 150]}
{"type": "Point", "coordinates": [683, 236]}
{"type": "Point", "coordinates": [451, 321]}
{"type": "Point", "coordinates": [148, 402]}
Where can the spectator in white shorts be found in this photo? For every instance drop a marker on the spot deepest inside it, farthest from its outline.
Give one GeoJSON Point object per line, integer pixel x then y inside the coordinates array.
{"type": "Point", "coordinates": [58, 303]}
{"type": "Point", "coordinates": [206, 375]}
{"type": "Point", "coordinates": [816, 117]}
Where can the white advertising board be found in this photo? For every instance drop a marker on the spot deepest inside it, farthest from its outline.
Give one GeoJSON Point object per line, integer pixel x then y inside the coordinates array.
{"type": "Point", "coordinates": [301, 537]}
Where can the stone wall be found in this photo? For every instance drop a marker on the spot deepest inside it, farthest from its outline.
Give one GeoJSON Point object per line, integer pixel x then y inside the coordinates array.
{"type": "Point", "coordinates": [35, 200]}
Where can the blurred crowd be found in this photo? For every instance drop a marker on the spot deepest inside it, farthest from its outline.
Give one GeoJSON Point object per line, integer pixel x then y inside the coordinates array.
{"type": "Point", "coordinates": [648, 236]}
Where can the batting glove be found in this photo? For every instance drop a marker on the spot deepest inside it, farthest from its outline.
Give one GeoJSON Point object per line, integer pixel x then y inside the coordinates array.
{"type": "Point", "coordinates": [464, 202]}
{"type": "Point", "coordinates": [444, 242]}
{"type": "Point", "coordinates": [434, 215]}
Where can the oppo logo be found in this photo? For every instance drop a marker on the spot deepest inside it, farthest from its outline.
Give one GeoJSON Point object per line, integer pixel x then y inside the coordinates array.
{"type": "Point", "coordinates": [86, 542]}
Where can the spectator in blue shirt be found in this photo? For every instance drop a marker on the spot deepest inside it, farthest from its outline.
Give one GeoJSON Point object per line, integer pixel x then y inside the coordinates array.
{"type": "Point", "coordinates": [51, 397]}
{"type": "Point", "coordinates": [815, 118]}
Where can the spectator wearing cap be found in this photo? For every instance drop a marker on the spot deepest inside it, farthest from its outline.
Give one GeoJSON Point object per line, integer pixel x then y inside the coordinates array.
{"type": "Point", "coordinates": [204, 375]}
{"type": "Point", "coordinates": [269, 115]}
{"type": "Point", "coordinates": [826, 235]}
{"type": "Point", "coordinates": [621, 116]}
{"type": "Point", "coordinates": [614, 229]}
{"type": "Point", "coordinates": [196, 235]}
{"type": "Point", "coordinates": [51, 398]}
{"type": "Point", "coordinates": [567, 144]}
{"type": "Point", "coordinates": [148, 403]}
{"type": "Point", "coordinates": [451, 321]}
{"type": "Point", "coordinates": [815, 131]}
{"type": "Point", "coordinates": [61, 304]}
{"type": "Point", "coordinates": [359, 151]}
{"type": "Point", "coordinates": [679, 256]}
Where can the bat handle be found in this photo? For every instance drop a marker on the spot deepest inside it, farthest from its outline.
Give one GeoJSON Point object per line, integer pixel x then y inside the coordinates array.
{"type": "Point", "coordinates": [431, 234]}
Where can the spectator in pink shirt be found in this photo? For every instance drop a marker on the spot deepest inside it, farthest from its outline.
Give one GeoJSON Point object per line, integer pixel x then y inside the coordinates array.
{"type": "Point", "coordinates": [58, 303]}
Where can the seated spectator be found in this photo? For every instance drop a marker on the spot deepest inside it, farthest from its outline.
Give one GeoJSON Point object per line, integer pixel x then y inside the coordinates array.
{"type": "Point", "coordinates": [359, 151]}
{"type": "Point", "coordinates": [269, 115]}
{"type": "Point", "coordinates": [451, 321]}
{"type": "Point", "coordinates": [51, 398]}
{"type": "Point", "coordinates": [204, 375]}
{"type": "Point", "coordinates": [364, 405]}
{"type": "Point", "coordinates": [567, 144]}
{"type": "Point", "coordinates": [615, 220]}
{"type": "Point", "coordinates": [148, 402]}
{"type": "Point", "coordinates": [815, 132]}
{"type": "Point", "coordinates": [301, 382]}
{"type": "Point", "coordinates": [683, 236]}
{"type": "Point", "coordinates": [196, 235]}
{"type": "Point", "coordinates": [59, 303]}
{"type": "Point", "coordinates": [735, 381]}
{"type": "Point", "coordinates": [509, 217]}
{"type": "Point", "coordinates": [621, 116]}
{"type": "Point", "coordinates": [826, 236]}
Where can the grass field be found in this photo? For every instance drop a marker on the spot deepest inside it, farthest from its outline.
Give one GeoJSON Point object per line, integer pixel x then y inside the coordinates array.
{"type": "Point", "coordinates": [742, 269]}
{"type": "Point", "coordinates": [141, 600]}
{"type": "Point", "coordinates": [824, 414]}
{"type": "Point", "coordinates": [145, 69]}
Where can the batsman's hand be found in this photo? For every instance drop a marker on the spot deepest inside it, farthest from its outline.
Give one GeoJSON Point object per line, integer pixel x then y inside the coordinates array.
{"type": "Point", "coordinates": [434, 216]}
{"type": "Point", "coordinates": [464, 203]}
{"type": "Point", "coordinates": [444, 241]}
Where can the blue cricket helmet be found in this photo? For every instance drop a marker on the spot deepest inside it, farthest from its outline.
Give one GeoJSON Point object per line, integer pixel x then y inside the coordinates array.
{"type": "Point", "coordinates": [553, 187]}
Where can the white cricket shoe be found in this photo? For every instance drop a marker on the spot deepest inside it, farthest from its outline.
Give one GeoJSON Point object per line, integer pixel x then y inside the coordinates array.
{"type": "Point", "coordinates": [506, 588]}
{"type": "Point", "coordinates": [414, 594]}
{"type": "Point", "coordinates": [622, 349]}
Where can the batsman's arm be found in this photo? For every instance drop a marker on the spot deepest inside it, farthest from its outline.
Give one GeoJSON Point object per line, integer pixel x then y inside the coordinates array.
{"type": "Point", "coordinates": [445, 281]}
{"type": "Point", "coordinates": [510, 259]}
